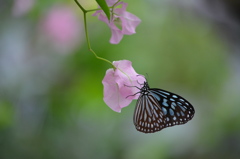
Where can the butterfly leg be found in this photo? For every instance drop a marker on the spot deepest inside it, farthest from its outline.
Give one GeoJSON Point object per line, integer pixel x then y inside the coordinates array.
{"type": "Point", "coordinates": [132, 95]}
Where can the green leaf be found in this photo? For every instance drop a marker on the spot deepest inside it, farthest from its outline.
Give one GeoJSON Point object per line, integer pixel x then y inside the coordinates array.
{"type": "Point", "coordinates": [104, 6]}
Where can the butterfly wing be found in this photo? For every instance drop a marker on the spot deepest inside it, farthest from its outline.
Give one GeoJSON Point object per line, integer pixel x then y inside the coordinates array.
{"type": "Point", "coordinates": [176, 109]}
{"type": "Point", "coordinates": [148, 115]}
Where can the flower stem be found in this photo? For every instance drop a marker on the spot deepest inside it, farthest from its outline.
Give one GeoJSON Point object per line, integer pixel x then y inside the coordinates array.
{"type": "Point", "coordinates": [86, 33]}
{"type": "Point", "coordinates": [112, 13]}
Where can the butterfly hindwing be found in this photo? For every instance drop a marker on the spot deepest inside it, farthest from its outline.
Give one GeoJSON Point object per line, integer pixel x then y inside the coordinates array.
{"type": "Point", "coordinates": [176, 109]}
{"type": "Point", "coordinates": [148, 116]}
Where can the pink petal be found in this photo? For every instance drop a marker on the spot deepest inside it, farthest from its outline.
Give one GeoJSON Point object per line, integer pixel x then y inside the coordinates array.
{"type": "Point", "coordinates": [130, 22]}
{"type": "Point", "coordinates": [130, 78]}
{"type": "Point", "coordinates": [116, 36]}
{"type": "Point", "coordinates": [116, 94]}
{"type": "Point", "coordinates": [101, 16]}
{"type": "Point", "coordinates": [111, 2]}
{"type": "Point", "coordinates": [97, 12]}
{"type": "Point", "coordinates": [112, 96]}
{"type": "Point", "coordinates": [124, 7]}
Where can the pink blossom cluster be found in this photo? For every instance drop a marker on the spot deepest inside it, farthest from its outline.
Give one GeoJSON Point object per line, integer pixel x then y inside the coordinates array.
{"type": "Point", "coordinates": [121, 23]}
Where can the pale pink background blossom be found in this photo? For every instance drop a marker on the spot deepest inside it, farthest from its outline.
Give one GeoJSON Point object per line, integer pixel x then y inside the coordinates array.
{"type": "Point", "coordinates": [116, 82]}
{"type": "Point", "coordinates": [126, 21]}
{"type": "Point", "coordinates": [62, 27]}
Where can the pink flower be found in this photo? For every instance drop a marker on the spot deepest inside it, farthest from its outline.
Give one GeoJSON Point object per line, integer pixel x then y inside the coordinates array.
{"type": "Point", "coordinates": [126, 22]}
{"type": "Point", "coordinates": [116, 85]}
{"type": "Point", "coordinates": [62, 27]}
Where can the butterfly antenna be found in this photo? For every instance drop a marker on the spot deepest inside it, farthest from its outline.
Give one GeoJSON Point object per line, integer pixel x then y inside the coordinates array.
{"type": "Point", "coordinates": [139, 83]}
{"type": "Point", "coordinates": [132, 86]}
{"type": "Point", "coordinates": [147, 77]}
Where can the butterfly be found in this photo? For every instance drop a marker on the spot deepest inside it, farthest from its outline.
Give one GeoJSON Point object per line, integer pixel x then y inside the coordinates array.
{"type": "Point", "coordinates": [157, 109]}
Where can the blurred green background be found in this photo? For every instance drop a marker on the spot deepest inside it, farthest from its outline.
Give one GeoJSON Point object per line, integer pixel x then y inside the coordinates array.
{"type": "Point", "coordinates": [51, 95]}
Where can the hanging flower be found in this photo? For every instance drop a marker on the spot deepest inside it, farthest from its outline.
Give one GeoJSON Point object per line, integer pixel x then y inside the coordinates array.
{"type": "Point", "coordinates": [119, 84]}
{"type": "Point", "coordinates": [121, 23]}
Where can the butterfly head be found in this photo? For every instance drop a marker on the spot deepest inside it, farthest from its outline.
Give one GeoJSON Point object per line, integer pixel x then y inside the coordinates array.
{"type": "Point", "coordinates": [145, 88]}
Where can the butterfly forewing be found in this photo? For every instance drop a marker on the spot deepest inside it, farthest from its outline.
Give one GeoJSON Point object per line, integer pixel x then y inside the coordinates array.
{"type": "Point", "coordinates": [176, 109]}
{"type": "Point", "coordinates": [148, 116]}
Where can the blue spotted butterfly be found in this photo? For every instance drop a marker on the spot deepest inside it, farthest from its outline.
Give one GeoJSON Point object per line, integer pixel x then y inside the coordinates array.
{"type": "Point", "coordinates": [157, 109]}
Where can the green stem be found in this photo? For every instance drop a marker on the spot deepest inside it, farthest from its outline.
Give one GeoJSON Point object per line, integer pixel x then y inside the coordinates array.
{"type": "Point", "coordinates": [80, 6]}
{"type": "Point", "coordinates": [86, 33]}
{"type": "Point", "coordinates": [92, 10]}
